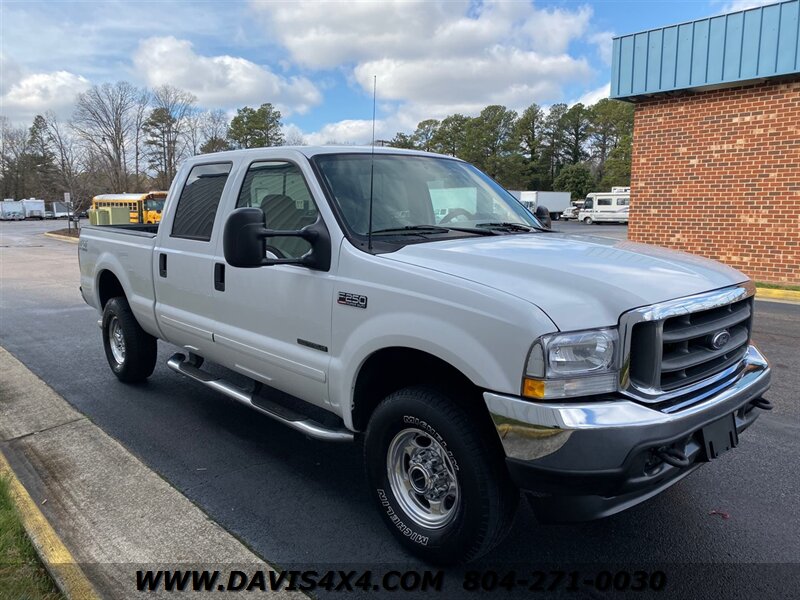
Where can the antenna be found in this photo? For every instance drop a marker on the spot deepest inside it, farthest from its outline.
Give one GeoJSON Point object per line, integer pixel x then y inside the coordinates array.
{"type": "Point", "coordinates": [372, 163]}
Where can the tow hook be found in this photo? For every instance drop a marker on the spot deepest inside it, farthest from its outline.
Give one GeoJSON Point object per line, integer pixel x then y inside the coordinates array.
{"type": "Point", "coordinates": [762, 403]}
{"type": "Point", "coordinates": [672, 456]}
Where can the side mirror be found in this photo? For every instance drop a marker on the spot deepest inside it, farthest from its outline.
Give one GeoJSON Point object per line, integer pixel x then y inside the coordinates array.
{"type": "Point", "coordinates": [543, 215]}
{"type": "Point", "coordinates": [244, 242]}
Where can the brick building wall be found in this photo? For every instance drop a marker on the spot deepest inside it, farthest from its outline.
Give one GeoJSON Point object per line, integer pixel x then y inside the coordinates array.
{"type": "Point", "coordinates": [717, 173]}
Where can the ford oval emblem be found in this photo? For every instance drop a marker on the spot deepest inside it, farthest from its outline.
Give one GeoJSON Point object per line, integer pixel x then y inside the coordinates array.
{"type": "Point", "coordinates": [720, 338]}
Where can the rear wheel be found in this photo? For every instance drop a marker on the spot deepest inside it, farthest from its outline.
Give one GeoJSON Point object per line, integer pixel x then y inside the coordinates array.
{"type": "Point", "coordinates": [438, 476]}
{"type": "Point", "coordinates": [131, 351]}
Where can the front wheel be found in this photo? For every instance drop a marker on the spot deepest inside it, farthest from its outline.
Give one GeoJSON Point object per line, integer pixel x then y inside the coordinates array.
{"type": "Point", "coordinates": [588, 220]}
{"type": "Point", "coordinates": [438, 476]}
{"type": "Point", "coordinates": [131, 351]}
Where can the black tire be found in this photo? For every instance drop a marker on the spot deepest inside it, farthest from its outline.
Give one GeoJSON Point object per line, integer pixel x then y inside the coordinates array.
{"type": "Point", "coordinates": [140, 348]}
{"type": "Point", "coordinates": [588, 220]}
{"type": "Point", "coordinates": [487, 499]}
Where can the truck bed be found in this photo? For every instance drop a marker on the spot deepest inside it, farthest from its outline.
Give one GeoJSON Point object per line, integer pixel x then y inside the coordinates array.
{"type": "Point", "coordinates": [127, 227]}
{"type": "Point", "coordinates": [127, 252]}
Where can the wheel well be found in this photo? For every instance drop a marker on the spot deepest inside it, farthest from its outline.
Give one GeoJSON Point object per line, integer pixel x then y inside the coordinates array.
{"type": "Point", "coordinates": [391, 369]}
{"type": "Point", "coordinates": [108, 286]}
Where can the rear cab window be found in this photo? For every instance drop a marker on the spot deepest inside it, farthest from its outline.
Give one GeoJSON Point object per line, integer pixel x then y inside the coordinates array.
{"type": "Point", "coordinates": [198, 202]}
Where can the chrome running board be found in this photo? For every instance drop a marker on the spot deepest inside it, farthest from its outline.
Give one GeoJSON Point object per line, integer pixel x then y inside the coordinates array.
{"type": "Point", "coordinates": [299, 422]}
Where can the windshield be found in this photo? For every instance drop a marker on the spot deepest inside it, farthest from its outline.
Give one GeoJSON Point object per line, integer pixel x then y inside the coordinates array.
{"type": "Point", "coordinates": [417, 192]}
{"type": "Point", "coordinates": [153, 204]}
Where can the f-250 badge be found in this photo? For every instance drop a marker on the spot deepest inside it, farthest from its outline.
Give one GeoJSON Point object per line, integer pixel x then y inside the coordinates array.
{"type": "Point", "coordinates": [356, 300]}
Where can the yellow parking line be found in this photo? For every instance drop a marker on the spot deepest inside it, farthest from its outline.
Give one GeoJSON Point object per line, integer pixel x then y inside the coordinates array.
{"type": "Point", "coordinates": [771, 294]}
{"type": "Point", "coordinates": [57, 559]}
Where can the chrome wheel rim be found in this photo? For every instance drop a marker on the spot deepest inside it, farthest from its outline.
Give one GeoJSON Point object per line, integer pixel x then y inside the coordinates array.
{"type": "Point", "coordinates": [116, 340]}
{"type": "Point", "coordinates": [422, 478]}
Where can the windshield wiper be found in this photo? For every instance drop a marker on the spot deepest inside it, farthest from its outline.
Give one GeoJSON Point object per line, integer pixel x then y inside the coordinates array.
{"type": "Point", "coordinates": [417, 229]}
{"type": "Point", "coordinates": [507, 225]}
{"type": "Point", "coordinates": [411, 229]}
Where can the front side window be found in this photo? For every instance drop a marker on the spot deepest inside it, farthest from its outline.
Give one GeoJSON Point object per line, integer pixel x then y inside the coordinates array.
{"type": "Point", "coordinates": [198, 202]}
{"type": "Point", "coordinates": [279, 189]}
{"type": "Point", "coordinates": [418, 192]}
{"type": "Point", "coordinates": [589, 204]}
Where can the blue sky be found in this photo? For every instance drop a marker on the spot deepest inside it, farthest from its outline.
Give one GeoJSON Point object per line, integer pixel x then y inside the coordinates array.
{"type": "Point", "coordinates": [315, 60]}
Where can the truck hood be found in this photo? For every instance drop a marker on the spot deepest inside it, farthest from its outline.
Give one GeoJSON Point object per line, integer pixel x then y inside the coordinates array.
{"type": "Point", "coordinates": [579, 281]}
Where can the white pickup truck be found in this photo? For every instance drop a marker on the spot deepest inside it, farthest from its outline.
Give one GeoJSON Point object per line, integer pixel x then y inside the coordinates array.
{"type": "Point", "coordinates": [405, 300]}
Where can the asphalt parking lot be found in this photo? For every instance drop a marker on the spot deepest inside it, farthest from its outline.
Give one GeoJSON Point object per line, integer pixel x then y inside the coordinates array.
{"type": "Point", "coordinates": [303, 503]}
{"type": "Point", "coordinates": [612, 230]}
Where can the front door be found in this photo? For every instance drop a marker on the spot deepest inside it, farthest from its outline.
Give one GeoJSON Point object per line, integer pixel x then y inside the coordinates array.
{"type": "Point", "coordinates": [276, 320]}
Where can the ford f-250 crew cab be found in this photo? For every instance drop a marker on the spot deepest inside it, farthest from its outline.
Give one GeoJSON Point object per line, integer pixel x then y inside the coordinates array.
{"type": "Point", "coordinates": [406, 300]}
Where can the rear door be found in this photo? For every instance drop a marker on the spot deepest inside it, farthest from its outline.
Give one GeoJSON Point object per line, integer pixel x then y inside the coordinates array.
{"type": "Point", "coordinates": [184, 257]}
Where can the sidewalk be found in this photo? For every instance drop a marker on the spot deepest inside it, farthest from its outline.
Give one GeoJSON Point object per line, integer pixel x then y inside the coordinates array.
{"type": "Point", "coordinates": [113, 515]}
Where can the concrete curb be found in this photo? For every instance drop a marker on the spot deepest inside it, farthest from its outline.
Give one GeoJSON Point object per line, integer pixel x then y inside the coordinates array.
{"type": "Point", "coordinates": [773, 294]}
{"type": "Point", "coordinates": [58, 561]}
{"type": "Point", "coordinates": [63, 238]}
{"type": "Point", "coordinates": [108, 513]}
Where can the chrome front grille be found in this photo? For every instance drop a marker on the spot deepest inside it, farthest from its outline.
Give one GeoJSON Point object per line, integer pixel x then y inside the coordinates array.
{"type": "Point", "coordinates": [688, 353]}
{"type": "Point", "coordinates": [677, 347]}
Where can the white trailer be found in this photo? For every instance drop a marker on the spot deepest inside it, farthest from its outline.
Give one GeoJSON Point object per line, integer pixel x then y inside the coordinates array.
{"type": "Point", "coordinates": [34, 208]}
{"type": "Point", "coordinates": [61, 210]}
{"type": "Point", "coordinates": [11, 210]}
{"type": "Point", "coordinates": [556, 202]}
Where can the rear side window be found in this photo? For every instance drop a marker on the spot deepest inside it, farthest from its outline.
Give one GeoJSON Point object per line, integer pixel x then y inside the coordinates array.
{"type": "Point", "coordinates": [604, 202]}
{"type": "Point", "coordinates": [197, 205]}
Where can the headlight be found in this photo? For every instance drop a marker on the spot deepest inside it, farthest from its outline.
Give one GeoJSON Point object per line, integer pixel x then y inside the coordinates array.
{"type": "Point", "coordinates": [572, 364]}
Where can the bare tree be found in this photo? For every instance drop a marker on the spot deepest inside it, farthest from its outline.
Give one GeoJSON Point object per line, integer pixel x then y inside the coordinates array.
{"type": "Point", "coordinates": [193, 132]}
{"type": "Point", "coordinates": [14, 146]}
{"type": "Point", "coordinates": [141, 104]}
{"type": "Point", "coordinates": [105, 118]}
{"type": "Point", "coordinates": [165, 128]}
{"type": "Point", "coordinates": [67, 159]}
{"type": "Point", "coordinates": [215, 131]}
{"type": "Point", "coordinates": [294, 138]}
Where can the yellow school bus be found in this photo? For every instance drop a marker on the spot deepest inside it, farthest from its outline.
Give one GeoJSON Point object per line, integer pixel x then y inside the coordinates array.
{"type": "Point", "coordinates": [142, 208]}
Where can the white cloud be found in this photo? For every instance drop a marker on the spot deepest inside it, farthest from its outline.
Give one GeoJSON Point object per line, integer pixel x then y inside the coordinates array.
{"type": "Point", "coordinates": [593, 96]}
{"type": "Point", "coordinates": [438, 52]}
{"type": "Point", "coordinates": [324, 35]}
{"type": "Point", "coordinates": [523, 77]}
{"type": "Point", "coordinates": [222, 81]}
{"type": "Point", "coordinates": [348, 131]}
{"type": "Point", "coordinates": [737, 5]}
{"type": "Point", "coordinates": [604, 40]}
{"type": "Point", "coordinates": [25, 95]}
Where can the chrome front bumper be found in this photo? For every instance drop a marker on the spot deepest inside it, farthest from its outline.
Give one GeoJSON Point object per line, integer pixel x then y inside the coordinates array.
{"type": "Point", "coordinates": [604, 449]}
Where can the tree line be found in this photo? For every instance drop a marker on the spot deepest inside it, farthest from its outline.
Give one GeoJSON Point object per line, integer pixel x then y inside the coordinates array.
{"type": "Point", "coordinates": [124, 138]}
{"type": "Point", "coordinates": [574, 148]}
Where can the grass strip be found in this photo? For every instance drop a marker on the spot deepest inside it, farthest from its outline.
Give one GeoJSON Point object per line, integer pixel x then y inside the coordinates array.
{"type": "Point", "coordinates": [22, 574]}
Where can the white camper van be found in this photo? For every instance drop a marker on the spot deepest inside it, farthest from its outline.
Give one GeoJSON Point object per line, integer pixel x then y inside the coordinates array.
{"type": "Point", "coordinates": [605, 207]}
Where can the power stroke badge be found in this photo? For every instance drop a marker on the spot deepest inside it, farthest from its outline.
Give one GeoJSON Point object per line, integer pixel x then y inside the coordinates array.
{"type": "Point", "coordinates": [355, 300]}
